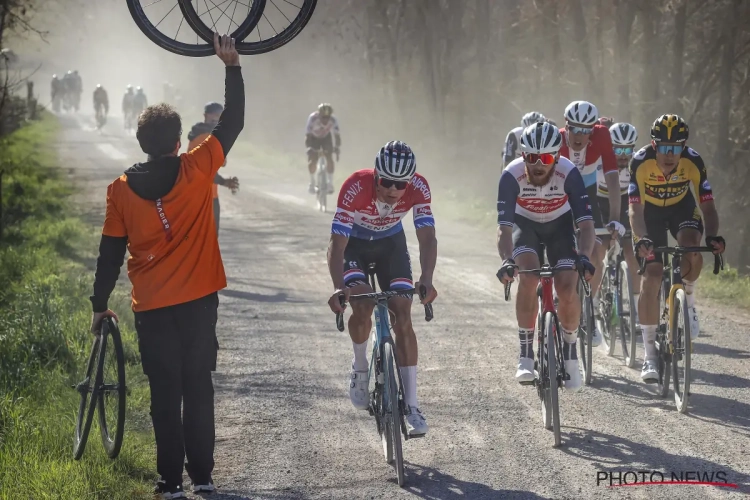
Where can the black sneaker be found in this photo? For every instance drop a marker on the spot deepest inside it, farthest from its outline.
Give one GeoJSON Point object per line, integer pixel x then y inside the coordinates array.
{"type": "Point", "coordinates": [167, 492]}
{"type": "Point", "coordinates": [207, 487]}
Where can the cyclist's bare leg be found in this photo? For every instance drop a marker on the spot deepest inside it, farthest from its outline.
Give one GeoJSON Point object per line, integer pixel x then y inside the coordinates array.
{"type": "Point", "coordinates": [360, 322]}
{"type": "Point", "coordinates": [526, 301]}
{"type": "Point", "coordinates": [406, 340]}
{"type": "Point", "coordinates": [598, 255]}
{"type": "Point", "coordinates": [569, 304]}
{"type": "Point", "coordinates": [691, 263]}
{"type": "Point", "coordinates": [329, 162]}
{"type": "Point", "coordinates": [648, 302]}
{"type": "Point", "coordinates": [312, 162]}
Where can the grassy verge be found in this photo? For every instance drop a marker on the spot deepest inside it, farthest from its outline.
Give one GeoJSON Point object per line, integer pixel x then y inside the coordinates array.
{"type": "Point", "coordinates": [44, 318]}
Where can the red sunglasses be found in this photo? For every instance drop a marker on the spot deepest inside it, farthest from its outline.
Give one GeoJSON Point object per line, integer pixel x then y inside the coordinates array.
{"type": "Point", "coordinates": [533, 158]}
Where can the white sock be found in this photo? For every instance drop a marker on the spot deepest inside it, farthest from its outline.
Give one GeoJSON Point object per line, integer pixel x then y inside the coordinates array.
{"type": "Point", "coordinates": [649, 337]}
{"type": "Point", "coordinates": [360, 357]}
{"type": "Point", "coordinates": [409, 378]}
{"type": "Point", "coordinates": [689, 289]}
{"type": "Point", "coordinates": [312, 178]}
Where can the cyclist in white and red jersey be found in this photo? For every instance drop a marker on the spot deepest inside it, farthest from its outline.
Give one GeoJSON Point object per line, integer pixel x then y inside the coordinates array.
{"type": "Point", "coordinates": [588, 145]}
{"type": "Point", "coordinates": [321, 132]}
{"type": "Point", "coordinates": [367, 230]}
{"type": "Point", "coordinates": [540, 197]}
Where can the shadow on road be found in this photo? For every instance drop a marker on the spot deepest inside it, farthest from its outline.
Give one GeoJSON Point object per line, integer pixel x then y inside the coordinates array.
{"type": "Point", "coordinates": [724, 352]}
{"type": "Point", "coordinates": [258, 297]}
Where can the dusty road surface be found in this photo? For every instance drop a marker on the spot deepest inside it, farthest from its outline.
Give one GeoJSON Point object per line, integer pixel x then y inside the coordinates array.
{"type": "Point", "coordinates": [285, 426]}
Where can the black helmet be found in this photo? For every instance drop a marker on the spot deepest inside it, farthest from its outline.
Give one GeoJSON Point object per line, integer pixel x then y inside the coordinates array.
{"type": "Point", "coordinates": [669, 128]}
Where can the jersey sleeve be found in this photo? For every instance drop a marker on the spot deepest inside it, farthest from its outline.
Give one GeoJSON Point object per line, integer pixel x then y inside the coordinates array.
{"type": "Point", "coordinates": [507, 195]}
{"type": "Point", "coordinates": [699, 178]}
{"type": "Point", "coordinates": [114, 224]}
{"type": "Point", "coordinates": [636, 186]}
{"type": "Point", "coordinates": [511, 145]}
{"type": "Point", "coordinates": [336, 129]}
{"type": "Point", "coordinates": [207, 157]}
{"type": "Point", "coordinates": [609, 160]}
{"type": "Point", "coordinates": [578, 198]}
{"type": "Point", "coordinates": [308, 127]}
{"type": "Point", "coordinates": [422, 211]}
{"type": "Point", "coordinates": [346, 207]}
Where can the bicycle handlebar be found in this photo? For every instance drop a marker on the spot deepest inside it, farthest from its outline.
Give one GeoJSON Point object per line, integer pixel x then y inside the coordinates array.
{"type": "Point", "coordinates": [718, 258]}
{"type": "Point", "coordinates": [546, 272]}
{"type": "Point", "coordinates": [428, 314]}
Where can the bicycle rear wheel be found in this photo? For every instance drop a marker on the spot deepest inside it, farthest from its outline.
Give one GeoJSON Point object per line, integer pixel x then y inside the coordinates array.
{"type": "Point", "coordinates": [607, 312]}
{"type": "Point", "coordinates": [221, 17]}
{"type": "Point", "coordinates": [282, 21]}
{"type": "Point", "coordinates": [585, 333]}
{"type": "Point", "coordinates": [550, 333]}
{"type": "Point", "coordinates": [171, 32]}
{"type": "Point", "coordinates": [627, 314]}
{"type": "Point", "coordinates": [112, 392]}
{"type": "Point", "coordinates": [682, 351]}
{"type": "Point", "coordinates": [394, 412]}
{"type": "Point", "coordinates": [89, 392]}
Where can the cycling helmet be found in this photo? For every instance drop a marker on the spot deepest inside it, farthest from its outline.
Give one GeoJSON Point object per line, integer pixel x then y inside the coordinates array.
{"type": "Point", "coordinates": [139, 89]}
{"type": "Point", "coordinates": [396, 161]}
{"type": "Point", "coordinates": [70, 72]}
{"type": "Point", "coordinates": [129, 87]}
{"type": "Point", "coordinates": [669, 128]}
{"type": "Point", "coordinates": [606, 121]}
{"type": "Point", "coordinates": [98, 85]}
{"type": "Point", "coordinates": [325, 109]}
{"type": "Point", "coordinates": [541, 138]}
{"type": "Point", "coordinates": [581, 113]}
{"type": "Point", "coordinates": [551, 122]}
{"type": "Point", "coordinates": [213, 107]}
{"type": "Point", "coordinates": [54, 77]}
{"type": "Point", "coordinates": [531, 118]}
{"type": "Point", "coordinates": [623, 134]}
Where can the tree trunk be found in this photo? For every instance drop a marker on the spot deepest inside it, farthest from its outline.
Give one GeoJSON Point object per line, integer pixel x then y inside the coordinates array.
{"type": "Point", "coordinates": [581, 38]}
{"type": "Point", "coordinates": [625, 15]}
{"type": "Point", "coordinates": [678, 53]}
{"type": "Point", "coordinates": [723, 141]}
{"type": "Point", "coordinates": [511, 31]}
{"type": "Point", "coordinates": [649, 20]}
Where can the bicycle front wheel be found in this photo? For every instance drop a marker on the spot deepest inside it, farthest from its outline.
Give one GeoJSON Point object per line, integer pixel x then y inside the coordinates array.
{"type": "Point", "coordinates": [164, 24]}
{"type": "Point", "coordinates": [607, 312]}
{"type": "Point", "coordinates": [682, 351]}
{"type": "Point", "coordinates": [585, 333]}
{"type": "Point", "coordinates": [627, 314]}
{"type": "Point", "coordinates": [112, 391]}
{"type": "Point", "coordinates": [322, 184]}
{"type": "Point", "coordinates": [550, 333]}
{"type": "Point", "coordinates": [394, 412]}
{"type": "Point", "coordinates": [222, 17]}
{"type": "Point", "coordinates": [89, 392]}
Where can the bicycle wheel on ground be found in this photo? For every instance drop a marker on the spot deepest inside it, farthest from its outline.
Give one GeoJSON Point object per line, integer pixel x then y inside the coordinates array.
{"type": "Point", "coordinates": [542, 374]}
{"type": "Point", "coordinates": [664, 360]}
{"type": "Point", "coordinates": [322, 180]}
{"type": "Point", "coordinates": [394, 412]}
{"type": "Point", "coordinates": [88, 389]}
{"type": "Point", "coordinates": [682, 351]}
{"type": "Point", "coordinates": [627, 313]}
{"type": "Point", "coordinates": [608, 322]}
{"type": "Point", "coordinates": [112, 392]}
{"type": "Point", "coordinates": [585, 333]}
{"type": "Point", "coordinates": [550, 333]}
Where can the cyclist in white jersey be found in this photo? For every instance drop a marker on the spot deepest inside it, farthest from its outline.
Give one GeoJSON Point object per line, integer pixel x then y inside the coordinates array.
{"type": "Point", "coordinates": [512, 148]}
{"type": "Point", "coordinates": [624, 136]}
{"type": "Point", "coordinates": [540, 196]}
{"type": "Point", "coordinates": [321, 132]}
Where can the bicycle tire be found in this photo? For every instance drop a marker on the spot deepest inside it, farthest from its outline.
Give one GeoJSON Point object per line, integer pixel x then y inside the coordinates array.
{"type": "Point", "coordinates": [608, 312]}
{"type": "Point", "coordinates": [542, 378]}
{"type": "Point", "coordinates": [664, 360]}
{"type": "Point", "coordinates": [394, 412]}
{"type": "Point", "coordinates": [207, 34]}
{"type": "Point", "coordinates": [113, 442]}
{"type": "Point", "coordinates": [585, 333]}
{"type": "Point", "coordinates": [550, 322]}
{"type": "Point", "coordinates": [163, 41]}
{"type": "Point", "coordinates": [285, 36]}
{"type": "Point", "coordinates": [322, 184]}
{"type": "Point", "coordinates": [683, 351]}
{"type": "Point", "coordinates": [629, 341]}
{"type": "Point", "coordinates": [89, 392]}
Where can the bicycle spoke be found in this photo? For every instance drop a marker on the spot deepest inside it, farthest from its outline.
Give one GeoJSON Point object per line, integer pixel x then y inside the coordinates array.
{"type": "Point", "coordinates": [282, 12]}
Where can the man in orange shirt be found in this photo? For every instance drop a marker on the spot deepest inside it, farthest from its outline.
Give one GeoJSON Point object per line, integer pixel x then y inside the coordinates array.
{"type": "Point", "coordinates": [211, 114]}
{"type": "Point", "coordinates": [161, 210]}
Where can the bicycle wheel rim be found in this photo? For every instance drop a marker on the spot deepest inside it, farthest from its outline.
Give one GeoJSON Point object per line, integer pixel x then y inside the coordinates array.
{"type": "Point", "coordinates": [112, 435]}
{"type": "Point", "coordinates": [628, 333]}
{"type": "Point", "coordinates": [395, 414]}
{"type": "Point", "coordinates": [87, 405]}
{"type": "Point", "coordinates": [682, 352]}
{"type": "Point", "coordinates": [587, 328]}
{"type": "Point", "coordinates": [542, 375]}
{"type": "Point", "coordinates": [285, 36]}
{"type": "Point", "coordinates": [551, 330]}
{"type": "Point", "coordinates": [162, 40]}
{"type": "Point", "coordinates": [606, 302]}
{"type": "Point", "coordinates": [207, 33]}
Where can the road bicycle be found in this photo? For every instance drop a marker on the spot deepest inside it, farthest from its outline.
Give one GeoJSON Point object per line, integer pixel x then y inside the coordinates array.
{"type": "Point", "coordinates": [387, 403]}
{"type": "Point", "coordinates": [103, 389]}
{"type": "Point", "coordinates": [322, 180]}
{"type": "Point", "coordinates": [674, 346]}
{"type": "Point", "coordinates": [549, 365]}
{"type": "Point", "coordinates": [101, 118]}
{"type": "Point", "coordinates": [186, 27]}
{"type": "Point", "coordinates": [617, 306]}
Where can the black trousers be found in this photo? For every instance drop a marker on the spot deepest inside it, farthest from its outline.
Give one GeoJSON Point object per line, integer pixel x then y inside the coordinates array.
{"type": "Point", "coordinates": [178, 350]}
{"type": "Point", "coordinates": [217, 213]}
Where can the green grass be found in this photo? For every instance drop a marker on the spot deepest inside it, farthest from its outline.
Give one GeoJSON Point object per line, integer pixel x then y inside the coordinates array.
{"type": "Point", "coordinates": [44, 339]}
{"type": "Point", "coordinates": [728, 287]}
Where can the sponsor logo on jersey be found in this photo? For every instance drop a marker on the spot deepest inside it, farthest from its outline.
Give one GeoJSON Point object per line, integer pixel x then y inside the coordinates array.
{"type": "Point", "coordinates": [632, 188]}
{"type": "Point", "coordinates": [543, 206]}
{"type": "Point", "coordinates": [421, 186]}
{"type": "Point", "coordinates": [343, 218]}
{"type": "Point", "coordinates": [706, 186]}
{"type": "Point", "coordinates": [641, 154]}
{"type": "Point", "coordinates": [424, 211]}
{"type": "Point", "coordinates": [351, 193]}
{"type": "Point", "coordinates": [533, 190]}
{"type": "Point", "coordinates": [692, 152]}
{"type": "Point", "coordinates": [664, 192]}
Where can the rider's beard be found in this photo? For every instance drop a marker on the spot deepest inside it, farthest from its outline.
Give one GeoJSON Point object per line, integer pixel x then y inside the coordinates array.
{"type": "Point", "coordinates": [537, 175]}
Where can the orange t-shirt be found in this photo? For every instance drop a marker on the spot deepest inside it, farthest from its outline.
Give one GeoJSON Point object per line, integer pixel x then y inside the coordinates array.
{"type": "Point", "coordinates": [194, 144]}
{"type": "Point", "coordinates": [174, 251]}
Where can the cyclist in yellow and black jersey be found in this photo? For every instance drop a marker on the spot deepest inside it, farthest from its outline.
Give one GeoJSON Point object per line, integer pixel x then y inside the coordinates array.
{"type": "Point", "coordinates": [660, 199]}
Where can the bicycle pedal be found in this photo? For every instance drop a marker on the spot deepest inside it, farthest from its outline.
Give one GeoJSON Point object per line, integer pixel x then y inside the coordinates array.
{"type": "Point", "coordinates": [651, 381]}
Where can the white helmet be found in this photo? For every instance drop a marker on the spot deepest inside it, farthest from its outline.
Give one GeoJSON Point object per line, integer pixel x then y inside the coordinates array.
{"type": "Point", "coordinates": [623, 134]}
{"type": "Point", "coordinates": [531, 118]}
{"type": "Point", "coordinates": [541, 138]}
{"type": "Point", "coordinates": [396, 161]}
{"type": "Point", "coordinates": [581, 113]}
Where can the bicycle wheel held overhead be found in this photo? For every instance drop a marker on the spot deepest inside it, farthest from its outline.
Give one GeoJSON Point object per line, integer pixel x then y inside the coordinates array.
{"type": "Point", "coordinates": [282, 21]}
{"type": "Point", "coordinates": [206, 17]}
{"type": "Point", "coordinates": [163, 23]}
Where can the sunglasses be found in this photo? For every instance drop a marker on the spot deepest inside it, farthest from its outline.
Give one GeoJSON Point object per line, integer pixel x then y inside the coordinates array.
{"type": "Point", "coordinates": [624, 151]}
{"type": "Point", "coordinates": [388, 183]}
{"type": "Point", "coordinates": [670, 148]}
{"type": "Point", "coordinates": [580, 130]}
{"type": "Point", "coordinates": [534, 158]}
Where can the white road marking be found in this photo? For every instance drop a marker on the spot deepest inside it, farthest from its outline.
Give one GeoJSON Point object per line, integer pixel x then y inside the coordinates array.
{"type": "Point", "coordinates": [111, 151]}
